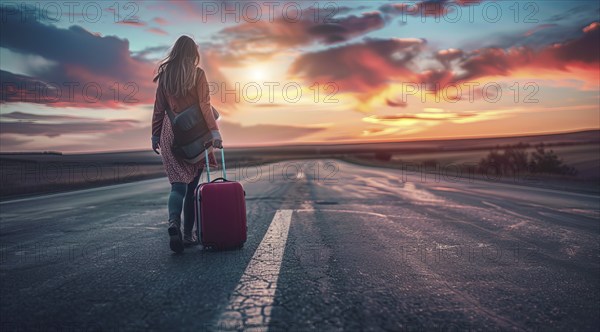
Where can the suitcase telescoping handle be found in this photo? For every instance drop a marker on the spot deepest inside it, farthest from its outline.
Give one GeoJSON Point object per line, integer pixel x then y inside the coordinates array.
{"type": "Point", "coordinates": [208, 167]}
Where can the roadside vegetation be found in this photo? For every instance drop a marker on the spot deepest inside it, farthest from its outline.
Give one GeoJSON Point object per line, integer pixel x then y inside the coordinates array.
{"type": "Point", "coordinates": [513, 159]}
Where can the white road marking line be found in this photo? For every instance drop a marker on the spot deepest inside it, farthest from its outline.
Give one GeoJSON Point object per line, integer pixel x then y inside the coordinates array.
{"type": "Point", "coordinates": [251, 303]}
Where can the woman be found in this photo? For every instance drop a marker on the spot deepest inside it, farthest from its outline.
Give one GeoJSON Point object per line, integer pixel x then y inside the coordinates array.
{"type": "Point", "coordinates": [181, 84]}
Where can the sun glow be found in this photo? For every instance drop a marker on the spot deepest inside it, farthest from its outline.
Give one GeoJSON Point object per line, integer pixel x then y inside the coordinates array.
{"type": "Point", "coordinates": [257, 73]}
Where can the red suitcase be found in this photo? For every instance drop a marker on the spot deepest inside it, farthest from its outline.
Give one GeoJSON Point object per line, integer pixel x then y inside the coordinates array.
{"type": "Point", "coordinates": [220, 207]}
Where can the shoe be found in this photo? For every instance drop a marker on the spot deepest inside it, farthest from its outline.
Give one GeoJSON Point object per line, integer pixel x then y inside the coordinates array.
{"type": "Point", "coordinates": [190, 240]}
{"type": "Point", "coordinates": [175, 239]}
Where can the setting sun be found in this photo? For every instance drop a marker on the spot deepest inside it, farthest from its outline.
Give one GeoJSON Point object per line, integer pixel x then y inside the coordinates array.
{"type": "Point", "coordinates": [257, 73]}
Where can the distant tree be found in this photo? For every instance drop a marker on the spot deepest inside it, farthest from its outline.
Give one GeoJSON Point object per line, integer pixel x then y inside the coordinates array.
{"type": "Point", "coordinates": [514, 159]}
{"type": "Point", "coordinates": [546, 161]}
{"type": "Point", "coordinates": [494, 160]}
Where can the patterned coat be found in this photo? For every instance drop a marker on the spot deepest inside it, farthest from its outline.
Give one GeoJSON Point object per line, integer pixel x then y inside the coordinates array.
{"type": "Point", "coordinates": [178, 170]}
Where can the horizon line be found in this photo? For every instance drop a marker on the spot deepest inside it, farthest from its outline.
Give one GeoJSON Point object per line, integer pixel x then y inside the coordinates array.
{"type": "Point", "coordinates": [463, 138]}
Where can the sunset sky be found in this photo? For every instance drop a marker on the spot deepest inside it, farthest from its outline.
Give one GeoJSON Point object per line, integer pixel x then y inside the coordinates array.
{"type": "Point", "coordinates": [77, 76]}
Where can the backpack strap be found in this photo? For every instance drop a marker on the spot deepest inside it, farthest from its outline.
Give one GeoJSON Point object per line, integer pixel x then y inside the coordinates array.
{"type": "Point", "coordinates": [170, 114]}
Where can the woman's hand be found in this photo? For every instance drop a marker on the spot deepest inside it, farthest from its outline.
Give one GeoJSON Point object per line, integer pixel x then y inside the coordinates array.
{"type": "Point", "coordinates": [217, 141]}
{"type": "Point", "coordinates": [156, 143]}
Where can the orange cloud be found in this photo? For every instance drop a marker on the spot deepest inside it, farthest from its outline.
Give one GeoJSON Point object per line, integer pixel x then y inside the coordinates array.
{"type": "Point", "coordinates": [394, 103]}
{"type": "Point", "coordinates": [370, 67]}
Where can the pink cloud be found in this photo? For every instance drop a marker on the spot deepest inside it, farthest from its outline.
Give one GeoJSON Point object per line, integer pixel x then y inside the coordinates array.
{"type": "Point", "coordinates": [158, 31]}
{"type": "Point", "coordinates": [160, 20]}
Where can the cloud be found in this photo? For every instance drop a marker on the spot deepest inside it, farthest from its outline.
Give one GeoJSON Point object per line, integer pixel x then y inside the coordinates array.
{"type": "Point", "coordinates": [153, 52]}
{"type": "Point", "coordinates": [436, 8]}
{"type": "Point", "coordinates": [412, 123]}
{"type": "Point", "coordinates": [33, 128]}
{"type": "Point", "coordinates": [247, 43]}
{"type": "Point", "coordinates": [252, 40]}
{"type": "Point", "coordinates": [433, 80]}
{"type": "Point", "coordinates": [42, 117]}
{"type": "Point", "coordinates": [537, 37]}
{"type": "Point", "coordinates": [157, 31]}
{"type": "Point", "coordinates": [160, 20]}
{"type": "Point", "coordinates": [373, 132]}
{"type": "Point", "coordinates": [539, 28]}
{"type": "Point", "coordinates": [12, 142]}
{"type": "Point", "coordinates": [263, 133]}
{"type": "Point", "coordinates": [592, 27]}
{"type": "Point", "coordinates": [578, 56]}
{"type": "Point", "coordinates": [581, 52]}
{"type": "Point", "coordinates": [422, 8]}
{"type": "Point", "coordinates": [368, 68]}
{"type": "Point", "coordinates": [21, 88]}
{"type": "Point", "coordinates": [130, 138]}
{"type": "Point", "coordinates": [132, 23]}
{"type": "Point", "coordinates": [346, 28]}
{"type": "Point", "coordinates": [425, 116]}
{"type": "Point", "coordinates": [394, 103]}
{"type": "Point", "coordinates": [54, 125]}
{"type": "Point", "coordinates": [360, 67]}
{"type": "Point", "coordinates": [20, 128]}
{"type": "Point", "coordinates": [449, 55]}
{"type": "Point", "coordinates": [580, 13]}
{"type": "Point", "coordinates": [79, 57]}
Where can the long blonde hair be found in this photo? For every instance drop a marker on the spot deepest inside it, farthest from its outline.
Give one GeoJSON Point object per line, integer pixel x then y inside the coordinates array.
{"type": "Point", "coordinates": [177, 72]}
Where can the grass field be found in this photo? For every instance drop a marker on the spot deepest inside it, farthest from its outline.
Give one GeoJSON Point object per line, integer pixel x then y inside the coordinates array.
{"type": "Point", "coordinates": [24, 174]}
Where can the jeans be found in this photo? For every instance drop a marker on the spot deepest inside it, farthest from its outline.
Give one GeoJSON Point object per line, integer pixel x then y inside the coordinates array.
{"type": "Point", "coordinates": [182, 198]}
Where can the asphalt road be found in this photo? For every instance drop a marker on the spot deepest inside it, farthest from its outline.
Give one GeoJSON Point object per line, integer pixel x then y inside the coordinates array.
{"type": "Point", "coordinates": [331, 246]}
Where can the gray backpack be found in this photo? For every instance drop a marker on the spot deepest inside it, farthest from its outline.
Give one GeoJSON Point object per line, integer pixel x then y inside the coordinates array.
{"type": "Point", "coordinates": [192, 135]}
